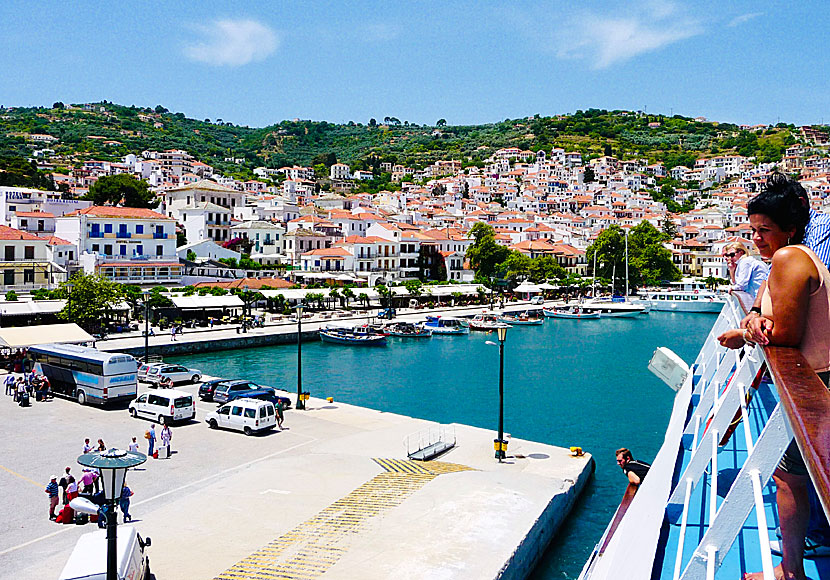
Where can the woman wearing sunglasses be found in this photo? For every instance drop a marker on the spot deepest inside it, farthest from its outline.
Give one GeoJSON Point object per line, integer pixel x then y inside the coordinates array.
{"type": "Point", "coordinates": [746, 273]}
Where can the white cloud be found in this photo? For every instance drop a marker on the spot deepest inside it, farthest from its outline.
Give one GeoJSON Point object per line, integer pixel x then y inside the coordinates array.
{"type": "Point", "coordinates": [233, 43]}
{"type": "Point", "coordinates": [738, 20]}
{"type": "Point", "coordinates": [606, 40]}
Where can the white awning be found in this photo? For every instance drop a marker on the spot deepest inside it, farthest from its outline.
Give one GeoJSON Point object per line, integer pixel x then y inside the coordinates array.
{"type": "Point", "coordinates": [208, 301]}
{"type": "Point", "coordinates": [527, 287]}
{"type": "Point", "coordinates": [25, 336]}
{"type": "Point", "coordinates": [546, 286]}
{"type": "Point", "coordinates": [27, 308]}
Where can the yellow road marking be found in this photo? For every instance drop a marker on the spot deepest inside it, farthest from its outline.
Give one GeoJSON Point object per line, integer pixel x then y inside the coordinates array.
{"type": "Point", "coordinates": [312, 547]}
{"type": "Point", "coordinates": [23, 477]}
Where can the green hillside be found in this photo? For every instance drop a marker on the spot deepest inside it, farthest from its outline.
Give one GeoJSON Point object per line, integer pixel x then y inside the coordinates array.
{"type": "Point", "coordinates": [108, 131]}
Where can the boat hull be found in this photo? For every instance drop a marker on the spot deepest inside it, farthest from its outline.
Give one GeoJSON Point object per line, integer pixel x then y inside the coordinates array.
{"type": "Point", "coordinates": [334, 338]}
{"type": "Point", "coordinates": [692, 306]}
{"type": "Point", "coordinates": [572, 315]}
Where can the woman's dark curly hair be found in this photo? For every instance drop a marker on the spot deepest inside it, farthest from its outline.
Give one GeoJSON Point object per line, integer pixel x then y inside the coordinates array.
{"type": "Point", "coordinates": [785, 202]}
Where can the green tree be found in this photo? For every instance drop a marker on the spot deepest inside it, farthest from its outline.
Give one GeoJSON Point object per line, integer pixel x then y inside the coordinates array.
{"type": "Point", "coordinates": [589, 176]}
{"type": "Point", "coordinates": [11, 296]}
{"type": "Point", "coordinates": [385, 294]}
{"type": "Point", "coordinates": [348, 294]}
{"type": "Point", "coordinates": [517, 265]}
{"type": "Point", "coordinates": [413, 287]}
{"type": "Point", "coordinates": [544, 268]}
{"type": "Point", "coordinates": [441, 123]}
{"type": "Point", "coordinates": [92, 299]}
{"type": "Point", "coordinates": [364, 299]}
{"type": "Point", "coordinates": [191, 256]}
{"type": "Point", "coordinates": [122, 189]}
{"type": "Point", "coordinates": [485, 254]}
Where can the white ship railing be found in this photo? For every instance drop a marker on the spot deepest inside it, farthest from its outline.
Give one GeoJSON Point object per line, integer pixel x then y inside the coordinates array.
{"type": "Point", "coordinates": [713, 395]}
{"type": "Point", "coordinates": [428, 443]}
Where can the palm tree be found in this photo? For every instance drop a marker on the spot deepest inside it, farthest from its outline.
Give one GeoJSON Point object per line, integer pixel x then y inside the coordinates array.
{"type": "Point", "coordinates": [364, 299]}
{"type": "Point", "coordinates": [347, 294]}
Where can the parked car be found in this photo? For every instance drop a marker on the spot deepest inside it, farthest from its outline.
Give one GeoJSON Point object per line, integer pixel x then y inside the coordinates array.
{"type": "Point", "coordinates": [263, 393]}
{"type": "Point", "coordinates": [226, 390]}
{"type": "Point", "coordinates": [165, 406]}
{"type": "Point", "coordinates": [247, 415]}
{"type": "Point", "coordinates": [537, 300]}
{"type": "Point", "coordinates": [144, 368]}
{"type": "Point", "coordinates": [176, 373]}
{"type": "Point", "coordinates": [88, 560]}
{"type": "Point", "coordinates": [387, 313]}
{"type": "Point", "coordinates": [206, 389]}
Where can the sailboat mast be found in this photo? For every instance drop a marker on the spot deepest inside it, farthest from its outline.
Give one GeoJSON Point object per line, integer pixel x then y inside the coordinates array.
{"type": "Point", "coordinates": [626, 265]}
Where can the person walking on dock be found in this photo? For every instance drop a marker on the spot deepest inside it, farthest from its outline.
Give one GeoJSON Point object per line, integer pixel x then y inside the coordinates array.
{"type": "Point", "coordinates": [150, 435]}
{"type": "Point", "coordinates": [634, 469]}
{"type": "Point", "coordinates": [280, 409]}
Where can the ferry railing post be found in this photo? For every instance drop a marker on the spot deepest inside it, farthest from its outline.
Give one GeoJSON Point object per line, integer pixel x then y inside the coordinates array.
{"type": "Point", "coordinates": [500, 451]}
{"type": "Point", "coordinates": [300, 403]}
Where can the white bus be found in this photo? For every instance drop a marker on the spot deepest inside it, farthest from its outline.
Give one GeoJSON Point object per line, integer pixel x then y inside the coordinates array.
{"type": "Point", "coordinates": [86, 374]}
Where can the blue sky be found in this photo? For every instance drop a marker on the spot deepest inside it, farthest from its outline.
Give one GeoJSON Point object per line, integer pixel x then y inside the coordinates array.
{"type": "Point", "coordinates": [259, 62]}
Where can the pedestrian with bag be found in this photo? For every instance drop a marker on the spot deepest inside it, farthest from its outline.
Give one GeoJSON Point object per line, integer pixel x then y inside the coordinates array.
{"type": "Point", "coordinates": [166, 437]}
{"type": "Point", "coordinates": [150, 436]}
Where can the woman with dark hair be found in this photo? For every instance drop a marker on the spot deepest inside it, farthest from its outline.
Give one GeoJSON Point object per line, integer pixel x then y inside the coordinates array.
{"type": "Point", "coordinates": [796, 306]}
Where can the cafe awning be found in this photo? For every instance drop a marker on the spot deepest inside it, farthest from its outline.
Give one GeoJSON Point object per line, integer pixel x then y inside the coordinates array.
{"type": "Point", "coordinates": [206, 302]}
{"type": "Point", "coordinates": [26, 336]}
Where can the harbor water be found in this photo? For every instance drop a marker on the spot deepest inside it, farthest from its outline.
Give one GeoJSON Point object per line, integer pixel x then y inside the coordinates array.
{"type": "Point", "coordinates": [567, 383]}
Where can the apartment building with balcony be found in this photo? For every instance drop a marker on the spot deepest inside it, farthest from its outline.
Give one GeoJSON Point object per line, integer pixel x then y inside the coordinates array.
{"type": "Point", "coordinates": [23, 199]}
{"type": "Point", "coordinates": [34, 222]}
{"type": "Point", "coordinates": [124, 244]}
{"type": "Point", "coordinates": [206, 221]}
{"type": "Point", "coordinates": [196, 202]}
{"type": "Point", "coordinates": [24, 262]}
{"type": "Point", "coordinates": [266, 239]}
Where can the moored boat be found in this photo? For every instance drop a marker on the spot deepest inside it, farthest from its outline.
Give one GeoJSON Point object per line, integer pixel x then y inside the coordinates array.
{"type": "Point", "coordinates": [615, 308]}
{"type": "Point", "coordinates": [572, 312]}
{"type": "Point", "coordinates": [408, 330]}
{"type": "Point", "coordinates": [359, 335]}
{"type": "Point", "coordinates": [521, 319]}
{"type": "Point", "coordinates": [486, 322]}
{"type": "Point", "coordinates": [447, 325]}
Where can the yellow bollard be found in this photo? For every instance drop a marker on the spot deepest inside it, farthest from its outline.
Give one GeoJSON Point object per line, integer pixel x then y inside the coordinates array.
{"type": "Point", "coordinates": [576, 451]}
{"type": "Point", "coordinates": [330, 399]}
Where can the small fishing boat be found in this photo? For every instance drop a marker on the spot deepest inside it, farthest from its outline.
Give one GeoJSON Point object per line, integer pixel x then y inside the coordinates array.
{"type": "Point", "coordinates": [521, 318]}
{"type": "Point", "coordinates": [447, 325]}
{"type": "Point", "coordinates": [408, 330]}
{"type": "Point", "coordinates": [572, 312]}
{"type": "Point", "coordinates": [486, 322]}
{"type": "Point", "coordinates": [360, 335]}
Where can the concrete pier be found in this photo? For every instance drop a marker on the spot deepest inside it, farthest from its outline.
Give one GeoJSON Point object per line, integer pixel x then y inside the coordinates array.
{"type": "Point", "coordinates": [333, 495]}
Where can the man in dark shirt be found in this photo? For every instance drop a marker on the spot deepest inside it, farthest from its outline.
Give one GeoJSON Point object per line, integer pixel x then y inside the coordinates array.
{"type": "Point", "coordinates": [635, 470]}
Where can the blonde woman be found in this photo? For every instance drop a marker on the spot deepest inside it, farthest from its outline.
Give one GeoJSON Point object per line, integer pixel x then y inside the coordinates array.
{"type": "Point", "coordinates": [746, 273]}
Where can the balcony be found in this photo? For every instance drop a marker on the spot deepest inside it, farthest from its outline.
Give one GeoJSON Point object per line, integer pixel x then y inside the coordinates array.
{"type": "Point", "coordinates": [96, 234]}
{"type": "Point", "coordinates": [123, 234]}
{"type": "Point", "coordinates": [159, 236]}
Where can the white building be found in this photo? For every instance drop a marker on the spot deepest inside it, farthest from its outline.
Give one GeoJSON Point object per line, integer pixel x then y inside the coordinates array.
{"type": "Point", "coordinates": [340, 171]}
{"type": "Point", "coordinates": [124, 244]}
{"type": "Point", "coordinates": [14, 199]}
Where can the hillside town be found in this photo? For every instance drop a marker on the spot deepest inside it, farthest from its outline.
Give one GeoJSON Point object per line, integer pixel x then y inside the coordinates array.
{"type": "Point", "coordinates": [539, 203]}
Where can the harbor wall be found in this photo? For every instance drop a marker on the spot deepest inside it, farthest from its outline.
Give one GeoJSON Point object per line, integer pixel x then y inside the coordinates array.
{"type": "Point", "coordinates": [529, 552]}
{"type": "Point", "coordinates": [244, 340]}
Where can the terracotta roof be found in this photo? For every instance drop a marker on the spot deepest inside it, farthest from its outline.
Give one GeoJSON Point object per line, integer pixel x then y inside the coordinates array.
{"type": "Point", "coordinates": [56, 241]}
{"type": "Point", "coordinates": [7, 233]}
{"type": "Point", "coordinates": [34, 214]}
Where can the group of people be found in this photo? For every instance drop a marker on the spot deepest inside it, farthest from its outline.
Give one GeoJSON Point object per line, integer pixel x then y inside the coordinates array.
{"type": "Point", "coordinates": [88, 485]}
{"type": "Point", "coordinates": [165, 438]}
{"type": "Point", "coordinates": [26, 386]}
{"type": "Point", "coordinates": [791, 289]}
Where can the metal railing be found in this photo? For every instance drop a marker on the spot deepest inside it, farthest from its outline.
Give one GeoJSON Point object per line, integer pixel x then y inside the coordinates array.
{"type": "Point", "coordinates": [432, 441]}
{"type": "Point", "coordinates": [726, 411]}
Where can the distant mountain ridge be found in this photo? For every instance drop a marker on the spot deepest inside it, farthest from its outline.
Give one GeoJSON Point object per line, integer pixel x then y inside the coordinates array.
{"type": "Point", "coordinates": [108, 131]}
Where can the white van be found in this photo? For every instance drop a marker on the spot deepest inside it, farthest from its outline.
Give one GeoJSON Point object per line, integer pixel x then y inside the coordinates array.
{"type": "Point", "coordinates": [248, 415]}
{"type": "Point", "coordinates": [164, 406]}
{"type": "Point", "coordinates": [89, 558]}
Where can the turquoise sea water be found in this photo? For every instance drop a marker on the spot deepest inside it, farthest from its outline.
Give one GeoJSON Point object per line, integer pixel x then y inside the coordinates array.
{"type": "Point", "coordinates": [567, 383]}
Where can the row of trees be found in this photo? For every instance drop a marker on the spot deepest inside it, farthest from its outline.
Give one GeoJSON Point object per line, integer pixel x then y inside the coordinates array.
{"type": "Point", "coordinates": [649, 262]}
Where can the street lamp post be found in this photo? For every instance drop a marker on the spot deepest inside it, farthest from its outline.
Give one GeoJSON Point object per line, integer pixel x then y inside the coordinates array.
{"type": "Point", "coordinates": [69, 287]}
{"type": "Point", "coordinates": [300, 403]}
{"type": "Point", "coordinates": [244, 308]}
{"type": "Point", "coordinates": [501, 444]}
{"type": "Point", "coordinates": [146, 327]}
{"type": "Point", "coordinates": [113, 465]}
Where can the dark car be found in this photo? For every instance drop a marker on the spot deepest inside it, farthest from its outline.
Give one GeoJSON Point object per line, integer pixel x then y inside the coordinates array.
{"type": "Point", "coordinates": [207, 388]}
{"type": "Point", "coordinates": [226, 390]}
{"type": "Point", "coordinates": [264, 393]}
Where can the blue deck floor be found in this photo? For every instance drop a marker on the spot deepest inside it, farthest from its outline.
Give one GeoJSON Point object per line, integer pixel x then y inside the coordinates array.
{"type": "Point", "coordinates": [745, 553]}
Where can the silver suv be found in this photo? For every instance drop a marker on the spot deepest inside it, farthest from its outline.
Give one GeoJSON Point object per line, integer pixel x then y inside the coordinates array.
{"type": "Point", "coordinates": [176, 373]}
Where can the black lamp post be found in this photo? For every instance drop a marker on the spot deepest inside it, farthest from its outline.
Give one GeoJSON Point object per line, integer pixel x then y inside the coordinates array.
{"type": "Point", "coordinates": [244, 308]}
{"type": "Point", "coordinates": [113, 465]}
{"type": "Point", "coordinates": [501, 444]}
{"type": "Point", "coordinates": [146, 327]}
{"type": "Point", "coordinates": [300, 402]}
{"type": "Point", "coordinates": [69, 287]}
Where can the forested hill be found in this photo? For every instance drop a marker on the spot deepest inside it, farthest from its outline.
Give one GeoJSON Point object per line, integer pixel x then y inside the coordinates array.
{"type": "Point", "coordinates": [107, 131]}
